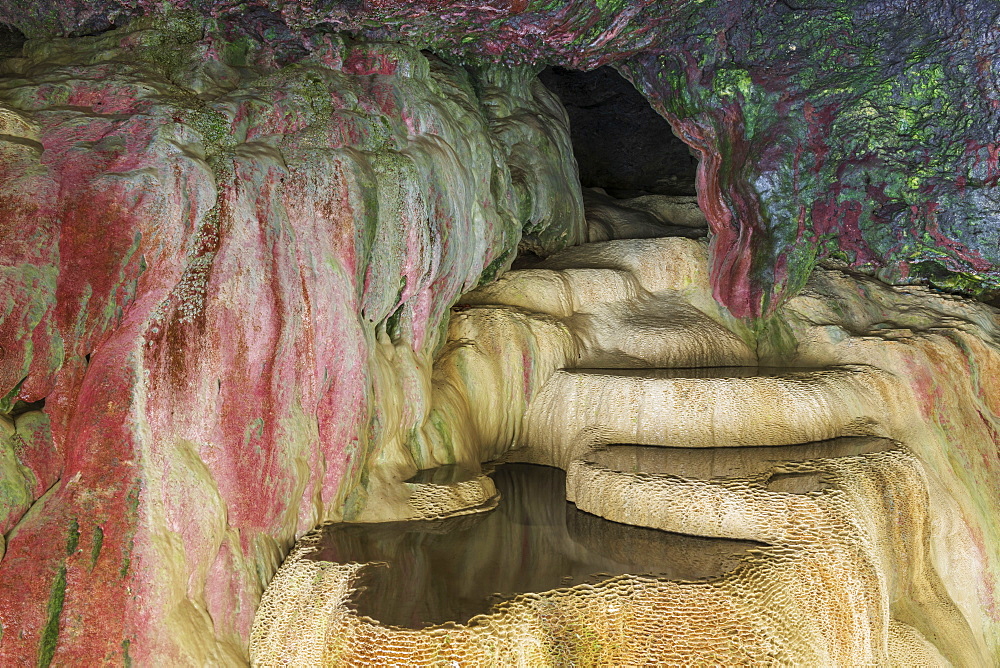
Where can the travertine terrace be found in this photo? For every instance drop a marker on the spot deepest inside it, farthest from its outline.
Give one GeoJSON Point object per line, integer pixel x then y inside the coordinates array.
{"type": "Point", "coordinates": [665, 413]}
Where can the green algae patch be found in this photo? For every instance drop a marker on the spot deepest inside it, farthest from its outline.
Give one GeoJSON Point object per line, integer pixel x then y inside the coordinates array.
{"type": "Point", "coordinates": [776, 342]}
{"type": "Point", "coordinates": [495, 268]}
{"type": "Point", "coordinates": [126, 658]}
{"type": "Point", "coordinates": [50, 634]}
{"type": "Point", "coordinates": [237, 52]}
{"type": "Point", "coordinates": [940, 277]}
{"type": "Point", "coordinates": [8, 400]}
{"type": "Point", "coordinates": [74, 537]}
{"type": "Point", "coordinates": [97, 541]}
{"type": "Point", "coordinates": [16, 481]}
{"type": "Point", "coordinates": [393, 324]}
{"type": "Point", "coordinates": [215, 128]}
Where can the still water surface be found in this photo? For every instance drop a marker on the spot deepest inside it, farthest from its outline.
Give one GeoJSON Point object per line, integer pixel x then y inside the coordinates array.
{"type": "Point", "coordinates": [427, 573]}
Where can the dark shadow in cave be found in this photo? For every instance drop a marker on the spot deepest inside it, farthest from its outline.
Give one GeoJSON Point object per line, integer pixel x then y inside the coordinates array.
{"type": "Point", "coordinates": [11, 41]}
{"type": "Point", "coordinates": [621, 144]}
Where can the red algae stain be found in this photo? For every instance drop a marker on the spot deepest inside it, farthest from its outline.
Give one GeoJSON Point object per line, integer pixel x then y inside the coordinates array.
{"type": "Point", "coordinates": [927, 213]}
{"type": "Point", "coordinates": [230, 383]}
{"type": "Point", "coordinates": [104, 99]}
{"type": "Point", "coordinates": [841, 221]}
{"type": "Point", "coordinates": [364, 62]}
{"type": "Point", "coordinates": [98, 490]}
{"type": "Point", "coordinates": [95, 241]}
{"type": "Point", "coordinates": [986, 587]}
{"type": "Point", "coordinates": [732, 213]}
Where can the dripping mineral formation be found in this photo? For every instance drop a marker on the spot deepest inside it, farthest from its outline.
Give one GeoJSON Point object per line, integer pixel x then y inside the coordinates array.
{"type": "Point", "coordinates": [233, 237]}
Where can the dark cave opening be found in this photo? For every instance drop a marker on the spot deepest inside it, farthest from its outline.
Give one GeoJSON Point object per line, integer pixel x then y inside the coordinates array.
{"type": "Point", "coordinates": [11, 41]}
{"type": "Point", "coordinates": [621, 144]}
{"type": "Point", "coordinates": [637, 177]}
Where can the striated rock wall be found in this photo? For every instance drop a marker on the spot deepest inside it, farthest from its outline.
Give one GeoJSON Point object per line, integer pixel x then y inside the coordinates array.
{"type": "Point", "coordinates": [230, 245]}
{"type": "Point", "coordinates": [226, 279]}
{"type": "Point", "coordinates": [859, 130]}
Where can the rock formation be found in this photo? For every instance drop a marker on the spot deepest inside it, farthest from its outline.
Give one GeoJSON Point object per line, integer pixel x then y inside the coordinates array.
{"type": "Point", "coordinates": [862, 130]}
{"type": "Point", "coordinates": [860, 465]}
{"type": "Point", "coordinates": [233, 234]}
{"type": "Point", "coordinates": [226, 281]}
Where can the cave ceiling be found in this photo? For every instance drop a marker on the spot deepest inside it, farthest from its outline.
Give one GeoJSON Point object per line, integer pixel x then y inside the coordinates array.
{"type": "Point", "coordinates": [856, 132]}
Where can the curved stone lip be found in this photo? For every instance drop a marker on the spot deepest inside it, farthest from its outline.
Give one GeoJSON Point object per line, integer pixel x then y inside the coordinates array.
{"type": "Point", "coordinates": [729, 504]}
{"type": "Point", "coordinates": [451, 490]}
{"type": "Point", "coordinates": [721, 373]}
{"type": "Point", "coordinates": [754, 464]}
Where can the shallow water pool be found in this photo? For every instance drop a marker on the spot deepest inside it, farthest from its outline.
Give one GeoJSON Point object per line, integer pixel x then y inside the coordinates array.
{"type": "Point", "coordinates": [430, 572]}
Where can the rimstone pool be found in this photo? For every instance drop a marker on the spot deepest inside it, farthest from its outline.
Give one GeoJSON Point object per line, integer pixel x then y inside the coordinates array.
{"type": "Point", "coordinates": [423, 573]}
{"type": "Point", "coordinates": [752, 511]}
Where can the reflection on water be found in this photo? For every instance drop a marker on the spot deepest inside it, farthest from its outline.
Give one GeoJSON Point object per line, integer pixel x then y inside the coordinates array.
{"type": "Point", "coordinates": [452, 570]}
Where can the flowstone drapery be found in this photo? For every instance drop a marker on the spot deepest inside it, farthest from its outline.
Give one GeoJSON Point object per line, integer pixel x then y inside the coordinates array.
{"type": "Point", "coordinates": [873, 542]}
{"type": "Point", "coordinates": [226, 279]}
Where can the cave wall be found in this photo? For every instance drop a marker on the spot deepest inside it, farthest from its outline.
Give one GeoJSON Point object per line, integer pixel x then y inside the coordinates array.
{"type": "Point", "coordinates": [858, 131]}
{"type": "Point", "coordinates": [227, 278]}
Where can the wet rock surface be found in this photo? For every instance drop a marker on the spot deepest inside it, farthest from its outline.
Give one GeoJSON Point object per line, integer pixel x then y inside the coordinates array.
{"type": "Point", "coordinates": [861, 131]}
{"type": "Point", "coordinates": [232, 235]}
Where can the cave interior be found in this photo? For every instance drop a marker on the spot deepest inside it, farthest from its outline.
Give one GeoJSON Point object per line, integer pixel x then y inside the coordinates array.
{"type": "Point", "coordinates": [402, 333]}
